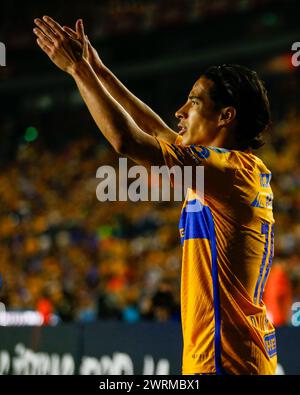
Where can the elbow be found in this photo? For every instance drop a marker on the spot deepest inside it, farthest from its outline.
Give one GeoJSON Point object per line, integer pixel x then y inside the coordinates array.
{"type": "Point", "coordinates": [121, 146]}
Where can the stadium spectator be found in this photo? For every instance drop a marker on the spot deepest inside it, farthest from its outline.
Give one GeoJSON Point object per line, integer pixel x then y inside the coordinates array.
{"type": "Point", "coordinates": [278, 294]}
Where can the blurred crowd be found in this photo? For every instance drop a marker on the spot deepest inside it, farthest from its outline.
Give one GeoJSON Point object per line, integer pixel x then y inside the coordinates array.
{"type": "Point", "coordinates": [282, 157]}
{"type": "Point", "coordinates": [119, 17]}
{"type": "Point", "coordinates": [64, 252]}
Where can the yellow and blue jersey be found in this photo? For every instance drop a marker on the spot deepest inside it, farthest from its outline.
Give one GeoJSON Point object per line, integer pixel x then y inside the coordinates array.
{"type": "Point", "coordinates": [228, 246]}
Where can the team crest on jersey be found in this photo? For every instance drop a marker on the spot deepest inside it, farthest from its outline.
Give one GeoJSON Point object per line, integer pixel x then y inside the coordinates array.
{"type": "Point", "coordinates": [265, 179]}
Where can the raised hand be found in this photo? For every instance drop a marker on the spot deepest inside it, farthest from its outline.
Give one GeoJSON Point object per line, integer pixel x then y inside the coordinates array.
{"type": "Point", "coordinates": [66, 46]}
{"type": "Point", "coordinates": [92, 56]}
{"type": "Point", "coordinates": [64, 51]}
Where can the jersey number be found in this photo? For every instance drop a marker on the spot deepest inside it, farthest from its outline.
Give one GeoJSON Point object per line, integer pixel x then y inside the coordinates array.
{"type": "Point", "coordinates": [261, 281]}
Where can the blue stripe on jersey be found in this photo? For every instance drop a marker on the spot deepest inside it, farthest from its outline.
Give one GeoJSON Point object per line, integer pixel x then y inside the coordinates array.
{"type": "Point", "coordinates": [196, 227]}
{"type": "Point", "coordinates": [200, 224]}
{"type": "Point", "coordinates": [217, 306]}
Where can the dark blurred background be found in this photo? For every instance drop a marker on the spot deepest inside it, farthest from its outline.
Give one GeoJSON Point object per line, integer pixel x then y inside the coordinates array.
{"type": "Point", "coordinates": [64, 252]}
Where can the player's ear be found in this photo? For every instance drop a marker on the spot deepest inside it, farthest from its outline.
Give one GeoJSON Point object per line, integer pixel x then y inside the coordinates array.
{"type": "Point", "coordinates": [227, 115]}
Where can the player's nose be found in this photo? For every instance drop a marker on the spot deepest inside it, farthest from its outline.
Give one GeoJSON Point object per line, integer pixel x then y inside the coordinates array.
{"type": "Point", "coordinates": [182, 112]}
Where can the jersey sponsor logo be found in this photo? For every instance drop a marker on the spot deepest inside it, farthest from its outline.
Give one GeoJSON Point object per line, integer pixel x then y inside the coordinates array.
{"type": "Point", "coordinates": [270, 344]}
{"type": "Point", "coordinates": [263, 200]}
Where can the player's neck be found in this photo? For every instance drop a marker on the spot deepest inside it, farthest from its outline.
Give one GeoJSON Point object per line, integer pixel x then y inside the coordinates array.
{"type": "Point", "coordinates": [226, 139]}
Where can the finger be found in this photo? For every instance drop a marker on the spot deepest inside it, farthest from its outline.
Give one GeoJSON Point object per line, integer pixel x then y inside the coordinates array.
{"type": "Point", "coordinates": [80, 29]}
{"type": "Point", "coordinates": [90, 47]}
{"type": "Point", "coordinates": [42, 36]}
{"type": "Point", "coordinates": [45, 29]}
{"type": "Point", "coordinates": [55, 26]}
{"type": "Point", "coordinates": [88, 43]}
{"type": "Point", "coordinates": [85, 51]}
{"type": "Point", "coordinates": [43, 46]}
{"type": "Point", "coordinates": [71, 32]}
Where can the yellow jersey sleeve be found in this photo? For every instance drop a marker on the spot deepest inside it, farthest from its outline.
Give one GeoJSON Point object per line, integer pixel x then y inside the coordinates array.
{"type": "Point", "coordinates": [177, 154]}
{"type": "Point", "coordinates": [213, 159]}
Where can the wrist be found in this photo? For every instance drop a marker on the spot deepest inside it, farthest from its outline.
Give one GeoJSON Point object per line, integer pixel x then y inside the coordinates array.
{"type": "Point", "coordinates": [97, 64]}
{"type": "Point", "coordinates": [100, 69]}
{"type": "Point", "coordinates": [79, 68]}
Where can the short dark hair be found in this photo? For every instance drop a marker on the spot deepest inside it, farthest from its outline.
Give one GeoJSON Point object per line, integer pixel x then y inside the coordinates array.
{"type": "Point", "coordinates": [237, 86]}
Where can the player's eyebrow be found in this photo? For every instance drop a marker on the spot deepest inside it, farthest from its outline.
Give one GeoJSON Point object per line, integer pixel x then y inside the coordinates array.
{"type": "Point", "coordinates": [191, 97]}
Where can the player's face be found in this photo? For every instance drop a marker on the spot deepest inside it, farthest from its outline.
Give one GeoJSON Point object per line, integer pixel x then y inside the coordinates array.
{"type": "Point", "coordinates": [198, 117]}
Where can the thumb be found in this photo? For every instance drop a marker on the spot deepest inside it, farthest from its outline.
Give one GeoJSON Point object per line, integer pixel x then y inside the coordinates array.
{"type": "Point", "coordinates": [71, 32]}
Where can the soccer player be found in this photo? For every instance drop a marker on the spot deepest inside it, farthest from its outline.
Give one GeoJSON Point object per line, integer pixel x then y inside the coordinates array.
{"type": "Point", "coordinates": [228, 245]}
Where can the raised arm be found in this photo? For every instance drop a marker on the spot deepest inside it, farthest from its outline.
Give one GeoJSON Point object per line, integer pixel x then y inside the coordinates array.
{"type": "Point", "coordinates": [143, 115]}
{"type": "Point", "coordinates": [114, 122]}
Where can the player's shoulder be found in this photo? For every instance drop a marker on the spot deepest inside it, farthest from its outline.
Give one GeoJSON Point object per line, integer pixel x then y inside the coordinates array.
{"type": "Point", "coordinates": [222, 157]}
{"type": "Point", "coordinates": [235, 160]}
{"type": "Point", "coordinates": [246, 160]}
